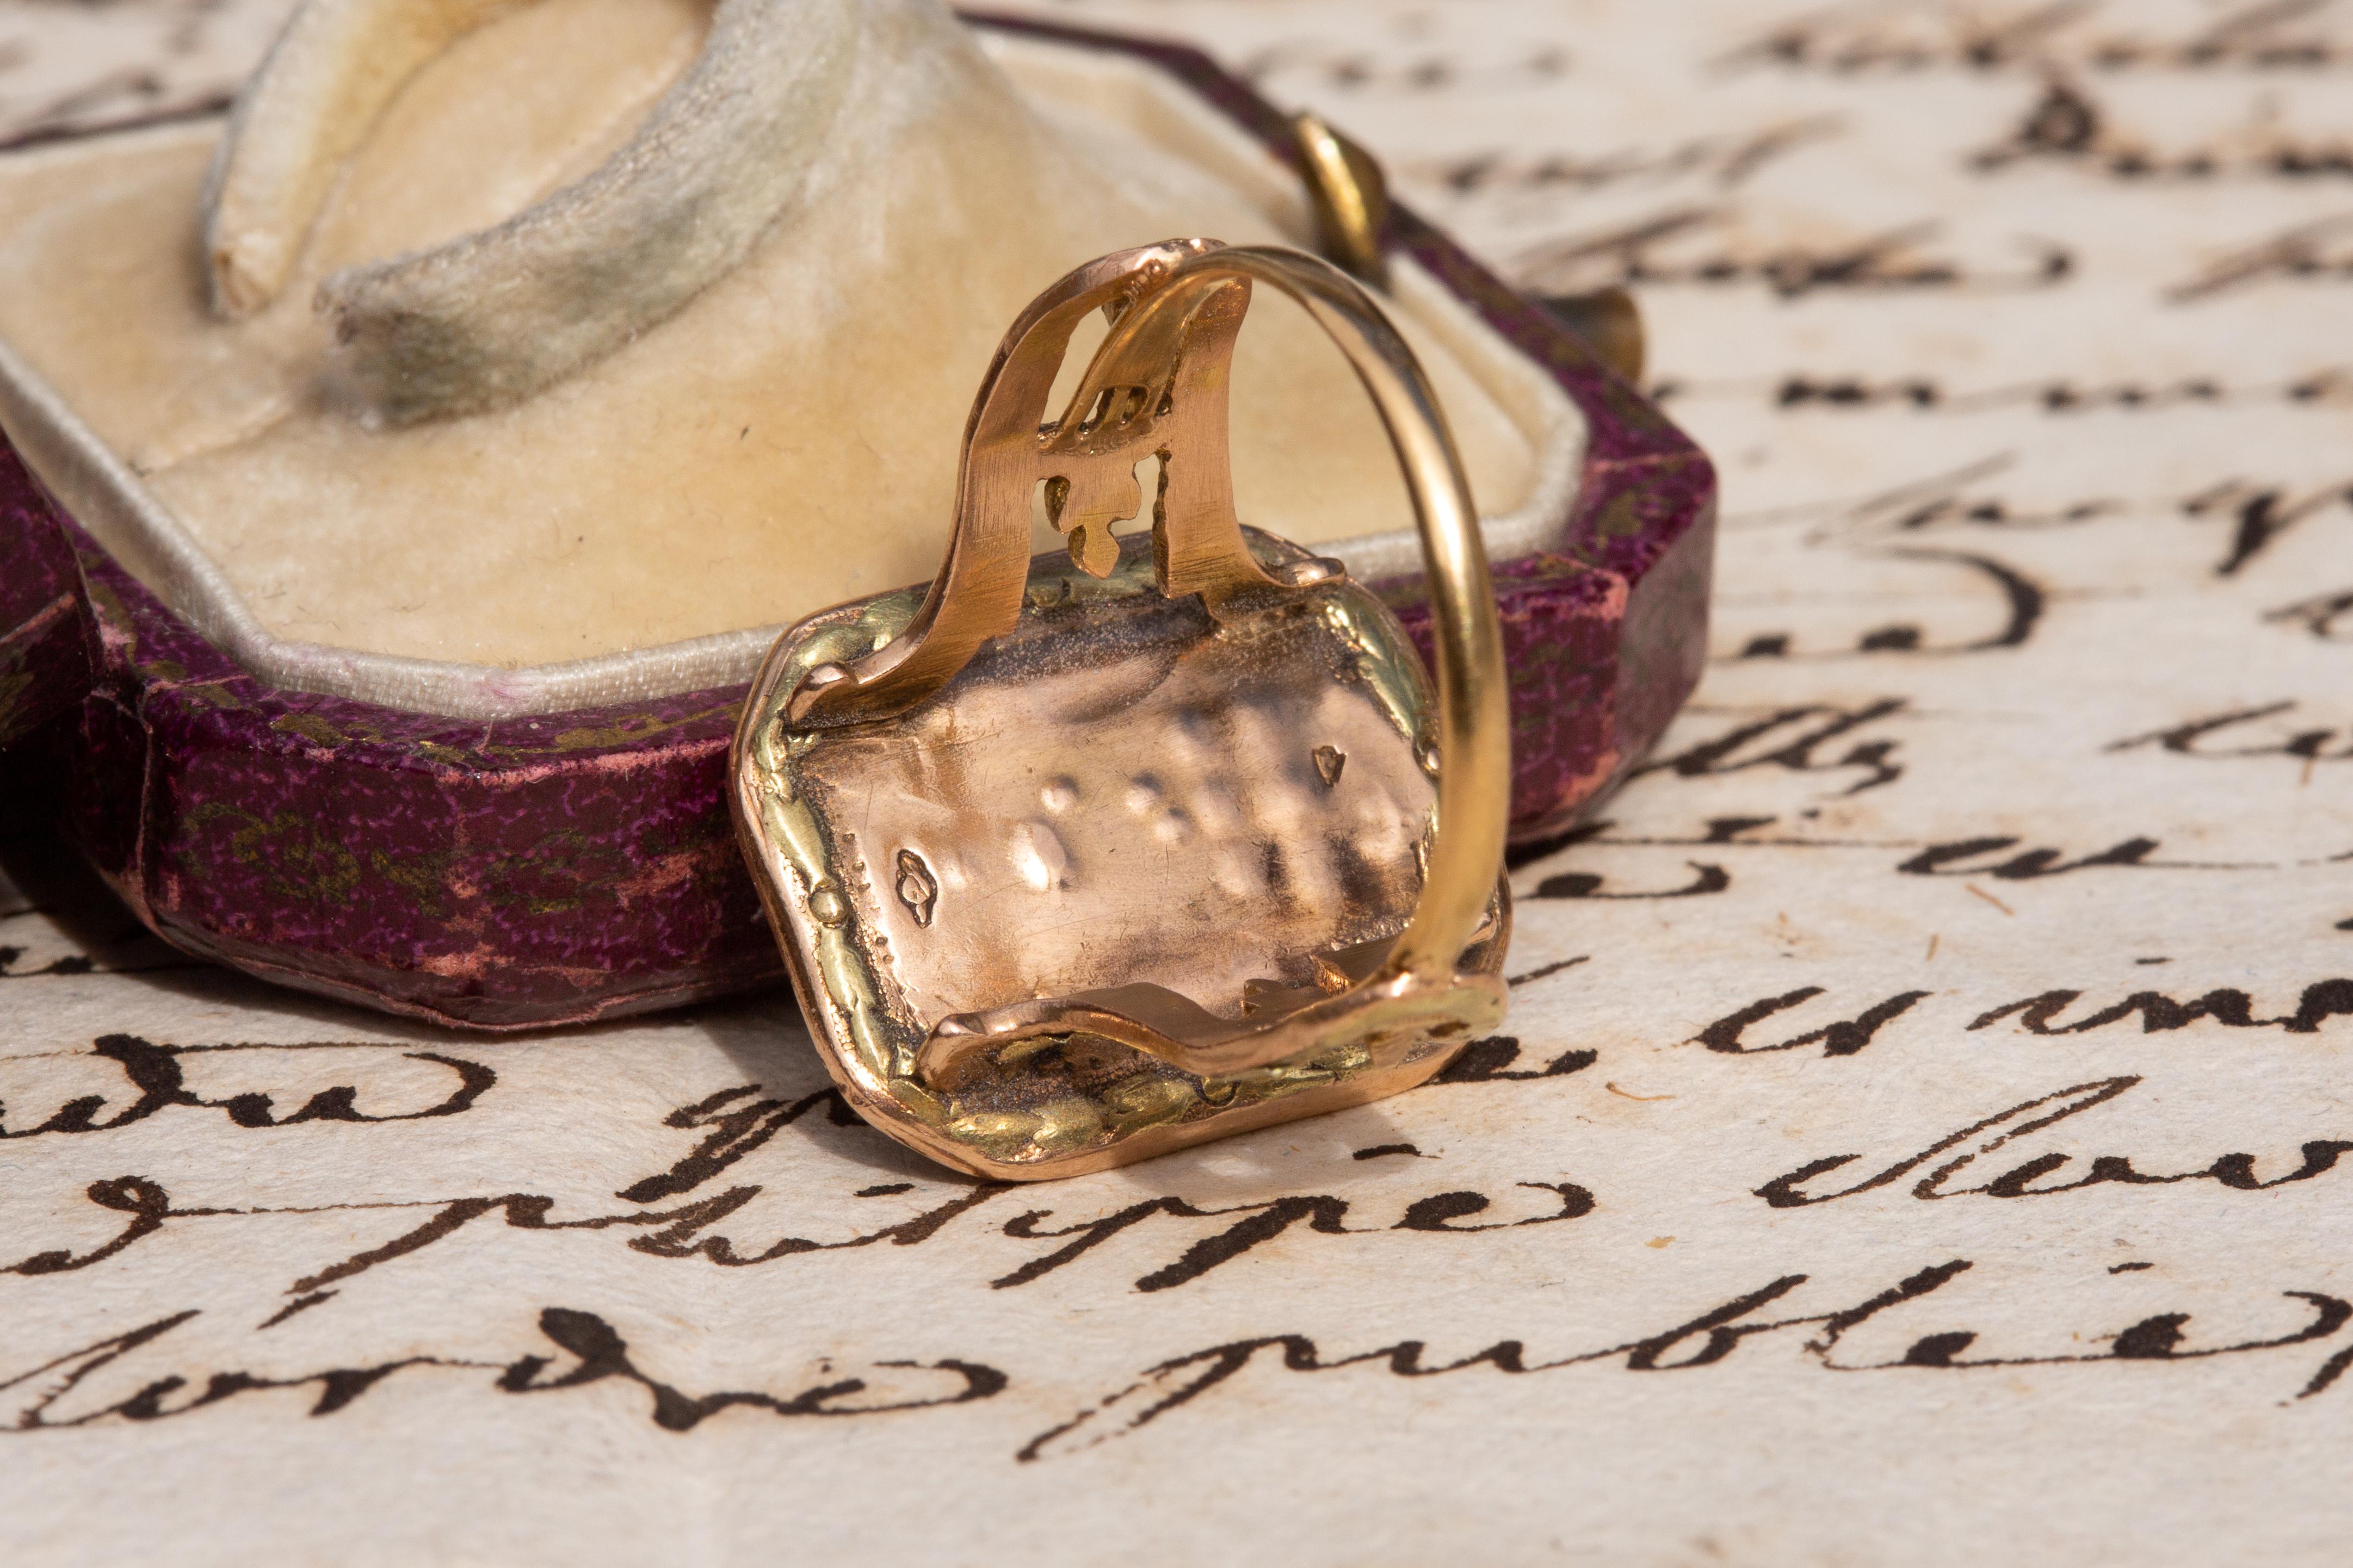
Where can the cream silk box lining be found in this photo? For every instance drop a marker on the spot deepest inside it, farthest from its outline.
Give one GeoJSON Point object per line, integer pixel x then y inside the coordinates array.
{"type": "Point", "coordinates": [786, 442]}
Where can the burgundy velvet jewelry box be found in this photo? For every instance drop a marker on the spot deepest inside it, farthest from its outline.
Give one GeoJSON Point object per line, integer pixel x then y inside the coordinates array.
{"type": "Point", "coordinates": [534, 868]}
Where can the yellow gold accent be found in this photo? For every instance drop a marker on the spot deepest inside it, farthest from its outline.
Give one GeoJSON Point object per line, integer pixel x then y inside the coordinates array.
{"type": "Point", "coordinates": [1351, 196]}
{"type": "Point", "coordinates": [1610, 324]}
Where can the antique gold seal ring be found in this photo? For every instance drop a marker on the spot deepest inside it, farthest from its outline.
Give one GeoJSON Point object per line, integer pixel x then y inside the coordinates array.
{"type": "Point", "coordinates": [1080, 859]}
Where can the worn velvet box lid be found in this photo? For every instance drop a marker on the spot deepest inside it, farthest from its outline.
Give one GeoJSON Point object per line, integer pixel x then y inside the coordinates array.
{"type": "Point", "coordinates": [510, 840]}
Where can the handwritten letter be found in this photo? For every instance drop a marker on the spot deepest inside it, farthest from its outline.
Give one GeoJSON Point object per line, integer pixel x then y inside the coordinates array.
{"type": "Point", "coordinates": [1926, 1130]}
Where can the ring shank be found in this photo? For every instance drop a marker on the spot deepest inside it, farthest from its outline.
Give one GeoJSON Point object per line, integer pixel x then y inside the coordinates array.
{"type": "Point", "coordinates": [1473, 700]}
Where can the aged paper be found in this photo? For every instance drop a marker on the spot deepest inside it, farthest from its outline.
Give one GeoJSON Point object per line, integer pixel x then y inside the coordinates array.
{"type": "Point", "coordinates": [1923, 1132]}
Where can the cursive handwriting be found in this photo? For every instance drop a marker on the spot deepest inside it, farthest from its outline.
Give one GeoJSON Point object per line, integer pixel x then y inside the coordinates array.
{"type": "Point", "coordinates": [156, 1072]}
{"type": "Point", "coordinates": [2227, 735]}
{"type": "Point", "coordinates": [2059, 394]}
{"type": "Point", "coordinates": [1957, 1150]}
{"type": "Point", "coordinates": [687, 1230]}
{"type": "Point", "coordinates": [1789, 739]}
{"type": "Point", "coordinates": [599, 1353]}
{"type": "Point", "coordinates": [2068, 125]}
{"type": "Point", "coordinates": [2318, 251]}
{"type": "Point", "coordinates": [1706, 1339]}
{"type": "Point", "coordinates": [1902, 36]}
{"type": "Point", "coordinates": [1702, 246]}
{"type": "Point", "coordinates": [1725, 160]}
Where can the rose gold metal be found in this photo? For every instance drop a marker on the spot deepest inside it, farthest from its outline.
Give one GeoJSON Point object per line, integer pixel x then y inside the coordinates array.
{"type": "Point", "coordinates": [1087, 463]}
{"type": "Point", "coordinates": [1079, 860]}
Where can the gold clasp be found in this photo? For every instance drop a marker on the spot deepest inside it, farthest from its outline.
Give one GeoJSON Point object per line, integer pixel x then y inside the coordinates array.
{"type": "Point", "coordinates": [1080, 859]}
